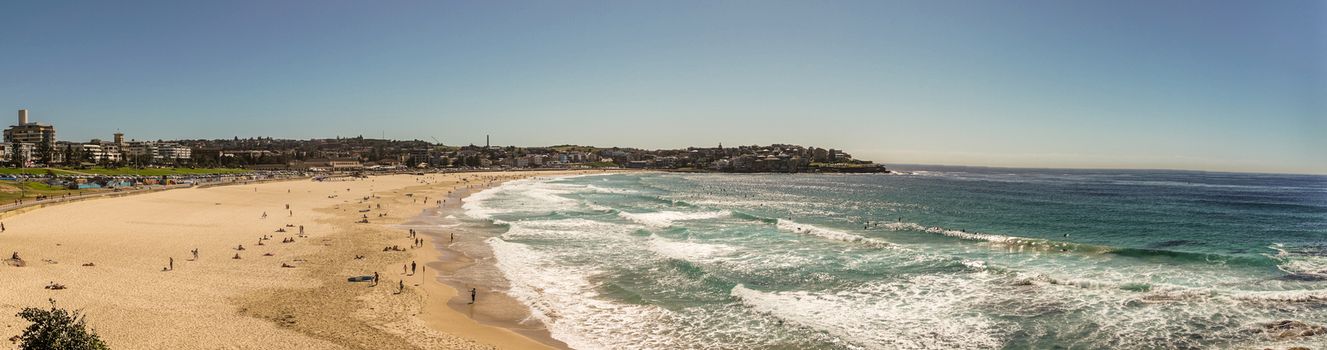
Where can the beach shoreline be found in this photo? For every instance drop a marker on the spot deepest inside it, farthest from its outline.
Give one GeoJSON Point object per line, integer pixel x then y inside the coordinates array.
{"type": "Point", "coordinates": [447, 299]}
{"type": "Point", "coordinates": [271, 295]}
{"type": "Point", "coordinates": [497, 308]}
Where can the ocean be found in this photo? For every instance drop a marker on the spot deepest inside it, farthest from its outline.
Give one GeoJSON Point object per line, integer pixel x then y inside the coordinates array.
{"type": "Point", "coordinates": [924, 258]}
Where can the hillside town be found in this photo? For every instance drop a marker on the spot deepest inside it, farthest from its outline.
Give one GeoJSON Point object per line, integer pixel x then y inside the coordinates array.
{"type": "Point", "coordinates": [32, 144]}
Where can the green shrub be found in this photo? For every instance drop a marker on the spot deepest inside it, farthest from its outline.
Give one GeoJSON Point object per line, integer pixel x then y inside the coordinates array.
{"type": "Point", "coordinates": [58, 329]}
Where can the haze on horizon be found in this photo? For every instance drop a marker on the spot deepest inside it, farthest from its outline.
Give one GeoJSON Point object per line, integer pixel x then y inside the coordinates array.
{"type": "Point", "coordinates": [1226, 86]}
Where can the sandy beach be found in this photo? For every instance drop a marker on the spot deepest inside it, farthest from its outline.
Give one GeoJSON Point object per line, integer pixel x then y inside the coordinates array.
{"type": "Point", "coordinates": [114, 256]}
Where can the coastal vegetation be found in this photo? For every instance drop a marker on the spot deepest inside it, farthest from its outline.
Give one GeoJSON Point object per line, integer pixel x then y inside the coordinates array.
{"type": "Point", "coordinates": [57, 328]}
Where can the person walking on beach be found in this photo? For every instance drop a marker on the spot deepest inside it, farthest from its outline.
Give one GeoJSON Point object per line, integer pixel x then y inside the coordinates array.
{"type": "Point", "coordinates": [301, 230]}
{"type": "Point", "coordinates": [195, 252]}
{"type": "Point", "coordinates": [412, 268]}
{"type": "Point", "coordinates": [400, 286]}
{"type": "Point", "coordinates": [375, 278]}
{"type": "Point", "coordinates": [2, 227]}
{"type": "Point", "coordinates": [172, 263]}
{"type": "Point", "coordinates": [472, 295]}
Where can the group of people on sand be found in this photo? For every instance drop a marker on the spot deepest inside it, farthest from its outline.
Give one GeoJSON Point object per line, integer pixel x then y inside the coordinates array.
{"type": "Point", "coordinates": [170, 262]}
{"type": "Point", "coordinates": [265, 237]}
{"type": "Point", "coordinates": [410, 268]}
{"type": "Point", "coordinates": [413, 267]}
{"type": "Point", "coordinates": [419, 242]}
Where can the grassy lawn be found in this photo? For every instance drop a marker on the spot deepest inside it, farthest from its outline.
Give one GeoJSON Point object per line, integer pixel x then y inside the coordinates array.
{"type": "Point", "coordinates": [162, 171]}
{"type": "Point", "coordinates": [10, 190]}
{"type": "Point", "coordinates": [34, 171]}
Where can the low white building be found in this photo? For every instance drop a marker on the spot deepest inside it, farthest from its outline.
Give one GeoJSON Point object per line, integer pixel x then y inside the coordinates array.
{"type": "Point", "coordinates": [159, 151]}
{"type": "Point", "coordinates": [24, 150]}
{"type": "Point", "coordinates": [172, 151]}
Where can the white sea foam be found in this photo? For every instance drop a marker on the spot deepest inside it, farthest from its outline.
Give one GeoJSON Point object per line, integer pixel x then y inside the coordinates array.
{"type": "Point", "coordinates": [567, 229]}
{"type": "Point", "coordinates": [569, 269]}
{"type": "Point", "coordinates": [597, 207]}
{"type": "Point", "coordinates": [960, 234]}
{"type": "Point", "coordinates": [923, 312]}
{"type": "Point", "coordinates": [474, 204]}
{"type": "Point", "coordinates": [1294, 263]}
{"type": "Point", "coordinates": [664, 219]}
{"type": "Point", "coordinates": [793, 226]}
{"type": "Point", "coordinates": [564, 299]}
{"type": "Point", "coordinates": [1283, 296]}
{"type": "Point", "coordinates": [526, 195]}
{"type": "Point", "coordinates": [974, 264]}
{"type": "Point", "coordinates": [598, 189]}
{"type": "Point", "coordinates": [688, 250]}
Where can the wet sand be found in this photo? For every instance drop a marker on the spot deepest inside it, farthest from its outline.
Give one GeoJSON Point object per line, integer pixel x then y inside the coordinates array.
{"type": "Point", "coordinates": [464, 261]}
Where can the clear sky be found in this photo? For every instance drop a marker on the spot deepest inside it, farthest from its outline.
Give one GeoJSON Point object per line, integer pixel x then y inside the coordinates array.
{"type": "Point", "coordinates": [1215, 85]}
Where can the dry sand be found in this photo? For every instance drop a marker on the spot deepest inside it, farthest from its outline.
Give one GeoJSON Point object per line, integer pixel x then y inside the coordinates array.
{"type": "Point", "coordinates": [253, 302]}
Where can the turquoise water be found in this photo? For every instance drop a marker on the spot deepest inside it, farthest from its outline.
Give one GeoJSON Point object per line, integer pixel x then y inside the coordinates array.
{"type": "Point", "coordinates": [941, 257]}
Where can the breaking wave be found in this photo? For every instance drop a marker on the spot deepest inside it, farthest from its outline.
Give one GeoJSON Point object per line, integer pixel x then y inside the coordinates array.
{"type": "Point", "coordinates": [793, 226]}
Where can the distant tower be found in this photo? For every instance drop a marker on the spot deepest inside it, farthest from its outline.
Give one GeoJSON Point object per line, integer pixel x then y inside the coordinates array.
{"type": "Point", "coordinates": [119, 138]}
{"type": "Point", "coordinates": [486, 145]}
{"type": "Point", "coordinates": [22, 117]}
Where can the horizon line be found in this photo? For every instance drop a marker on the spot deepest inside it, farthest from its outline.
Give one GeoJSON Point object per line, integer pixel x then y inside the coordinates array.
{"type": "Point", "coordinates": [1106, 168]}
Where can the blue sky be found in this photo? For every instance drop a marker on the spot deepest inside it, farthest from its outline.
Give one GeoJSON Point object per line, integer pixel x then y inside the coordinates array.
{"type": "Point", "coordinates": [1214, 85]}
